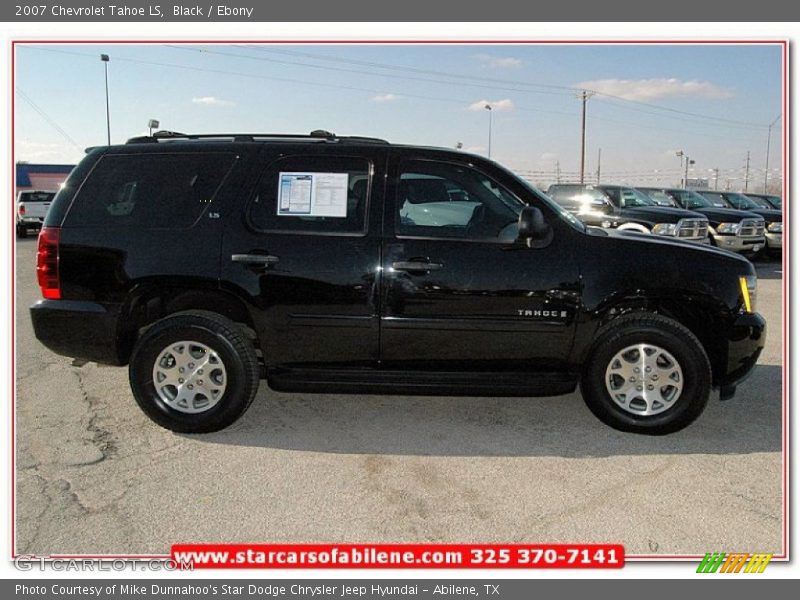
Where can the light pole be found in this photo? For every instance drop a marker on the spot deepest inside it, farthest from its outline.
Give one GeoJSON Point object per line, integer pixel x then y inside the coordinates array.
{"type": "Point", "coordinates": [769, 139]}
{"type": "Point", "coordinates": [105, 59]}
{"type": "Point", "coordinates": [153, 124]}
{"type": "Point", "coordinates": [489, 108]}
{"type": "Point", "coordinates": [686, 172]}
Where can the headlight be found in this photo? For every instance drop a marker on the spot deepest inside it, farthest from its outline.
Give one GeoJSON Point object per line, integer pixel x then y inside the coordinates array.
{"type": "Point", "coordinates": [748, 286]}
{"type": "Point", "coordinates": [665, 228]}
{"type": "Point", "coordinates": [776, 227]}
{"type": "Point", "coordinates": [727, 227]}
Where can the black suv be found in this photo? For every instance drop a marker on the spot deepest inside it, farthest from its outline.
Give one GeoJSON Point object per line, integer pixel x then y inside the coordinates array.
{"type": "Point", "coordinates": [731, 229]}
{"type": "Point", "coordinates": [772, 218]}
{"type": "Point", "coordinates": [344, 264]}
{"type": "Point", "coordinates": [628, 209]}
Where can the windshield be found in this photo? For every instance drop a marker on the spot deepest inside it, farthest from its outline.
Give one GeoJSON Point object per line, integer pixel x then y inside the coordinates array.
{"type": "Point", "coordinates": [776, 202]}
{"type": "Point", "coordinates": [716, 199]}
{"type": "Point", "coordinates": [659, 197]}
{"type": "Point", "coordinates": [690, 199]}
{"type": "Point", "coordinates": [560, 210]}
{"type": "Point", "coordinates": [742, 202]}
{"type": "Point", "coordinates": [36, 196]}
{"type": "Point", "coordinates": [762, 202]}
{"type": "Point", "coordinates": [631, 198]}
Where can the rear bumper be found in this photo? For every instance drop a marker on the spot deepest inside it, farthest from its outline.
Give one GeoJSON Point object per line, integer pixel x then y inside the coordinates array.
{"type": "Point", "coordinates": [745, 340]}
{"type": "Point", "coordinates": [85, 330]}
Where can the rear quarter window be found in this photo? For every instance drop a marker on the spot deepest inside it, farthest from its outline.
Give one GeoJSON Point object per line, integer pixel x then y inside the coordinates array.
{"type": "Point", "coordinates": [150, 191]}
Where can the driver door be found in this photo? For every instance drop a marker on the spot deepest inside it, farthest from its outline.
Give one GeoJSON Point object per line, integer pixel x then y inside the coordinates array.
{"type": "Point", "coordinates": [458, 291]}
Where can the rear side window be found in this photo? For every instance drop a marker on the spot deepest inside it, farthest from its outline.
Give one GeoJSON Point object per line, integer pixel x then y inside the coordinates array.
{"type": "Point", "coordinates": [313, 194]}
{"type": "Point", "coordinates": [150, 191]}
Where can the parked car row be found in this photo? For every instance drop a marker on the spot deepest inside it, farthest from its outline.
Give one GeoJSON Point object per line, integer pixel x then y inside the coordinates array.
{"type": "Point", "coordinates": [742, 223]}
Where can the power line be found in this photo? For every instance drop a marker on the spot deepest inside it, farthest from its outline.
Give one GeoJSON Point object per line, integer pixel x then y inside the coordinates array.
{"type": "Point", "coordinates": [47, 118]}
{"type": "Point", "coordinates": [566, 89]}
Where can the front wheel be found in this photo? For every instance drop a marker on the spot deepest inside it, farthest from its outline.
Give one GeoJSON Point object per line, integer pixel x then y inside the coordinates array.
{"type": "Point", "coordinates": [647, 374]}
{"type": "Point", "coordinates": [194, 372]}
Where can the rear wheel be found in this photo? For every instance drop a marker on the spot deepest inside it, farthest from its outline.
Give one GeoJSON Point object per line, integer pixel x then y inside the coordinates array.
{"type": "Point", "coordinates": [194, 372]}
{"type": "Point", "coordinates": [647, 374]}
{"type": "Point", "coordinates": [22, 231]}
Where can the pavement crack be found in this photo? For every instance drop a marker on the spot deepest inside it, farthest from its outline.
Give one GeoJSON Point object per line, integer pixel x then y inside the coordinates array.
{"type": "Point", "coordinates": [101, 438]}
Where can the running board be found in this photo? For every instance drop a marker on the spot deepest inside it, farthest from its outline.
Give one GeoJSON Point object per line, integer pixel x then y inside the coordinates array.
{"type": "Point", "coordinates": [430, 383]}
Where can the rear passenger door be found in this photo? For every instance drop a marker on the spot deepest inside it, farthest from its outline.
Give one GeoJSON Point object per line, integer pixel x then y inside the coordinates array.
{"type": "Point", "coordinates": [304, 252]}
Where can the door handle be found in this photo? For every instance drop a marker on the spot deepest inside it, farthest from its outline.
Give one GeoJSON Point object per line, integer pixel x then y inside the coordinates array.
{"type": "Point", "coordinates": [255, 259]}
{"type": "Point", "coordinates": [415, 265]}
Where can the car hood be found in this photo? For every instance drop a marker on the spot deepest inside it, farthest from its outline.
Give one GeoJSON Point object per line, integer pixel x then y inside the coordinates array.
{"type": "Point", "coordinates": [659, 214]}
{"type": "Point", "coordinates": [646, 238]}
{"type": "Point", "coordinates": [725, 215]}
{"type": "Point", "coordinates": [770, 216]}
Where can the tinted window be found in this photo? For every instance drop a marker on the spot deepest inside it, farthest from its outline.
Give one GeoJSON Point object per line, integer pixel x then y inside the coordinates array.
{"type": "Point", "coordinates": [313, 194]}
{"type": "Point", "coordinates": [445, 200]}
{"type": "Point", "coordinates": [690, 199]}
{"type": "Point", "coordinates": [741, 201]}
{"type": "Point", "coordinates": [716, 199]}
{"type": "Point", "coordinates": [150, 190]}
{"type": "Point", "coordinates": [660, 198]}
{"type": "Point", "coordinates": [36, 196]}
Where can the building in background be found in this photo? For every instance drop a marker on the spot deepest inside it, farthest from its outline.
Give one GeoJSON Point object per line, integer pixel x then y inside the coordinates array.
{"type": "Point", "coordinates": [39, 177]}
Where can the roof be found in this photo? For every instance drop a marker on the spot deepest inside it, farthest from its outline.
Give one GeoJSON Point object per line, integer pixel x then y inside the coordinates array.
{"type": "Point", "coordinates": [23, 171]}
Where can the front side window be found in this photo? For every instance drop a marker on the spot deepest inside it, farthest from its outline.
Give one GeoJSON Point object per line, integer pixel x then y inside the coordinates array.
{"type": "Point", "coordinates": [312, 194]}
{"type": "Point", "coordinates": [150, 191]}
{"type": "Point", "coordinates": [447, 200]}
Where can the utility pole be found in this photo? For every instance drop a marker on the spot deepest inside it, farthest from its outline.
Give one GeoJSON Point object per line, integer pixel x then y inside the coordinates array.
{"type": "Point", "coordinates": [558, 172]}
{"type": "Point", "coordinates": [747, 171]}
{"type": "Point", "coordinates": [769, 139]}
{"type": "Point", "coordinates": [599, 154]}
{"type": "Point", "coordinates": [680, 154]}
{"type": "Point", "coordinates": [585, 95]}
{"type": "Point", "coordinates": [716, 178]}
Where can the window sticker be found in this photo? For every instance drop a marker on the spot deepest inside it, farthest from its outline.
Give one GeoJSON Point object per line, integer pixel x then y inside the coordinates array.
{"type": "Point", "coordinates": [312, 194]}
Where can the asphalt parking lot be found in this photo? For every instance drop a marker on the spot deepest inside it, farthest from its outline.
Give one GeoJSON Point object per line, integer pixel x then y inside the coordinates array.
{"type": "Point", "coordinates": [95, 476]}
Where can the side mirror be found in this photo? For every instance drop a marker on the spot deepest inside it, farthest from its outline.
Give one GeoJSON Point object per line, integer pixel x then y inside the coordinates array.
{"type": "Point", "coordinates": [533, 229]}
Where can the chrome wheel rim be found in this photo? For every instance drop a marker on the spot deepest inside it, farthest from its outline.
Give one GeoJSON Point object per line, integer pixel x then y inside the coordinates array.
{"type": "Point", "coordinates": [189, 377]}
{"type": "Point", "coordinates": [644, 379]}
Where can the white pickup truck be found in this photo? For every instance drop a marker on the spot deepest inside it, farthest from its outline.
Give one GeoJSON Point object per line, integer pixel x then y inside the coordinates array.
{"type": "Point", "coordinates": [31, 210]}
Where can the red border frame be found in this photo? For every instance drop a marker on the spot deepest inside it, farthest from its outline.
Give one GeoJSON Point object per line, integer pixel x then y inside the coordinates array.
{"type": "Point", "coordinates": [784, 43]}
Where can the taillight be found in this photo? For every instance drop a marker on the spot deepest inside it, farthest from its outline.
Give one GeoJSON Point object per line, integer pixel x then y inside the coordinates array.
{"type": "Point", "coordinates": [22, 210]}
{"type": "Point", "coordinates": [47, 262]}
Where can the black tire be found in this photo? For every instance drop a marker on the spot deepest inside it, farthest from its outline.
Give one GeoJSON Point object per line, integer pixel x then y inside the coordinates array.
{"type": "Point", "coordinates": [662, 332]}
{"type": "Point", "coordinates": [222, 336]}
{"type": "Point", "coordinates": [22, 232]}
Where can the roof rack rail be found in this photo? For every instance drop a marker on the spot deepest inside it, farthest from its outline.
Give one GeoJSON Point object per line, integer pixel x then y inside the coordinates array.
{"type": "Point", "coordinates": [318, 134]}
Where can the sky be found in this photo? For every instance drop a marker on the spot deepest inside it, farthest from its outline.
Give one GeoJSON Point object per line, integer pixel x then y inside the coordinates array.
{"type": "Point", "coordinates": [647, 102]}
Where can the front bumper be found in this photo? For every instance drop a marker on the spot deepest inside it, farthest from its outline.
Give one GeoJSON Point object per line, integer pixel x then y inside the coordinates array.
{"type": "Point", "coordinates": [737, 243]}
{"type": "Point", "coordinates": [745, 341]}
{"type": "Point", "coordinates": [774, 240]}
{"type": "Point", "coordinates": [85, 330]}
